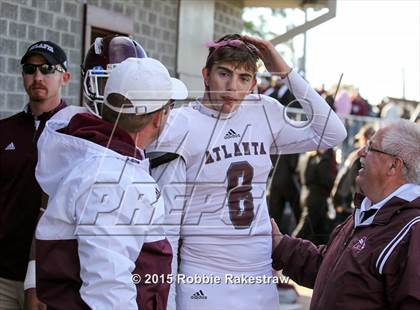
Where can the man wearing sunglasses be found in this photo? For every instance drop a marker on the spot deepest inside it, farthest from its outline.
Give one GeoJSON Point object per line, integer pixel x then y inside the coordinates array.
{"type": "Point", "coordinates": [372, 260]}
{"type": "Point", "coordinates": [44, 73]}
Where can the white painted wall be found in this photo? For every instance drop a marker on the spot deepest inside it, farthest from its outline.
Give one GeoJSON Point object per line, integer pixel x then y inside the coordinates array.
{"type": "Point", "coordinates": [196, 27]}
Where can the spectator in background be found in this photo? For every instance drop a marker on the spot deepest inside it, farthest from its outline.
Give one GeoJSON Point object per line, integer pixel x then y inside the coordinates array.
{"type": "Point", "coordinates": [342, 103]}
{"type": "Point", "coordinates": [284, 189]}
{"type": "Point", "coordinates": [359, 105]}
{"type": "Point", "coordinates": [44, 74]}
{"type": "Point", "coordinates": [343, 107]}
{"type": "Point", "coordinates": [322, 91]}
{"type": "Point", "coordinates": [415, 114]}
{"type": "Point", "coordinates": [264, 86]}
{"type": "Point", "coordinates": [330, 100]}
{"type": "Point", "coordinates": [391, 111]}
{"type": "Point", "coordinates": [282, 93]}
{"type": "Point", "coordinates": [345, 186]}
{"type": "Point", "coordinates": [317, 174]}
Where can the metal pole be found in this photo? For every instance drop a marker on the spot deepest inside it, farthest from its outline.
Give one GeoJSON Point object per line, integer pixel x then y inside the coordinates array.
{"type": "Point", "coordinates": [403, 83]}
{"type": "Point", "coordinates": [304, 45]}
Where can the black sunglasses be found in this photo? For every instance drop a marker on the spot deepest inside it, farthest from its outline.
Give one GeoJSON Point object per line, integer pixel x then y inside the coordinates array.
{"type": "Point", "coordinates": [44, 68]}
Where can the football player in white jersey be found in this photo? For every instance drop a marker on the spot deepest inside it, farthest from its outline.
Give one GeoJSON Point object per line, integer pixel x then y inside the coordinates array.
{"type": "Point", "coordinates": [212, 163]}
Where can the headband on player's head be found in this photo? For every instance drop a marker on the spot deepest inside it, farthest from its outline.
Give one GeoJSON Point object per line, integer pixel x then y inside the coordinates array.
{"type": "Point", "coordinates": [214, 46]}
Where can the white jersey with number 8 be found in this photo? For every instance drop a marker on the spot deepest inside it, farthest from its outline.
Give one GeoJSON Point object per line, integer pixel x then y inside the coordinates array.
{"type": "Point", "coordinates": [225, 227]}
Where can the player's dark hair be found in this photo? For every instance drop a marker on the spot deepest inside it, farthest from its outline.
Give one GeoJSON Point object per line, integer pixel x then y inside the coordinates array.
{"type": "Point", "coordinates": [245, 54]}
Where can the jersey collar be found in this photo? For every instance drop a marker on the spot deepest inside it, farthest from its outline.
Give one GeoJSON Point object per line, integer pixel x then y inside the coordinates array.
{"type": "Point", "coordinates": [197, 105]}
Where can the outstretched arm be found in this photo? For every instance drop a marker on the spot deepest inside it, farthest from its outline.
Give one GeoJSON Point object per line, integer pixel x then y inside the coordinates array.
{"type": "Point", "coordinates": [299, 259]}
{"type": "Point", "coordinates": [322, 130]}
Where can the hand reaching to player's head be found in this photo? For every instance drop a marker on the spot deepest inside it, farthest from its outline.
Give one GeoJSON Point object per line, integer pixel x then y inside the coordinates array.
{"type": "Point", "coordinates": [273, 61]}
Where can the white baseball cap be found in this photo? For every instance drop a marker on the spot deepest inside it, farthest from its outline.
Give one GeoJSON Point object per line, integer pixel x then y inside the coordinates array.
{"type": "Point", "coordinates": [146, 83]}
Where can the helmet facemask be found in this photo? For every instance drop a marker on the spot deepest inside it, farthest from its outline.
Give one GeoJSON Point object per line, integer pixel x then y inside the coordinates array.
{"type": "Point", "coordinates": [103, 56]}
{"type": "Point", "coordinates": [93, 87]}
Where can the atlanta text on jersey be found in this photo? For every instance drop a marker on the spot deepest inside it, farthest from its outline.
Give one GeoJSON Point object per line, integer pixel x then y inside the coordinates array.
{"type": "Point", "coordinates": [238, 149]}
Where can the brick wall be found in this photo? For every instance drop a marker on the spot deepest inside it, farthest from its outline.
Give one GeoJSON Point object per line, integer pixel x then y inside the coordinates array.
{"type": "Point", "coordinates": [23, 22]}
{"type": "Point", "coordinates": [227, 17]}
{"type": "Point", "coordinates": [155, 27]}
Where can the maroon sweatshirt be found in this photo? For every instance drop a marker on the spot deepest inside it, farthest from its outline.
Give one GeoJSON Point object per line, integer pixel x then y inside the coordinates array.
{"type": "Point", "coordinates": [58, 266]}
{"type": "Point", "coordinates": [368, 267]}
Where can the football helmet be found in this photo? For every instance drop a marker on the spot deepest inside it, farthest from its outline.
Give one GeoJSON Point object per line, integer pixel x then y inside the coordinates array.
{"type": "Point", "coordinates": [104, 55]}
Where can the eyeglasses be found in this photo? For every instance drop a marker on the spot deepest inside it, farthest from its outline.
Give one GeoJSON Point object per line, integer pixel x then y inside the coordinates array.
{"type": "Point", "coordinates": [44, 68]}
{"type": "Point", "coordinates": [368, 148]}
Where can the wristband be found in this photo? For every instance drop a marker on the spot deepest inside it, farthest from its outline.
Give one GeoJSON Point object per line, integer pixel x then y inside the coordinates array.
{"type": "Point", "coordinates": [30, 279]}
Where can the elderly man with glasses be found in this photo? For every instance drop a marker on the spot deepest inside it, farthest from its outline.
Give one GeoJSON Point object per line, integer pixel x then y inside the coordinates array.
{"type": "Point", "coordinates": [44, 73]}
{"type": "Point", "coordinates": [372, 260]}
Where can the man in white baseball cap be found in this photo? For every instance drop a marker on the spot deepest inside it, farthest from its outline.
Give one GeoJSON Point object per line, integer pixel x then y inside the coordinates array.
{"type": "Point", "coordinates": [146, 83]}
{"type": "Point", "coordinates": [136, 90]}
{"type": "Point", "coordinates": [101, 232]}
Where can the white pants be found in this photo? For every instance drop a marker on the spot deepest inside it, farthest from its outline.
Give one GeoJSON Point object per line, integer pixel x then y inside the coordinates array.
{"type": "Point", "coordinates": [11, 294]}
{"type": "Point", "coordinates": [225, 295]}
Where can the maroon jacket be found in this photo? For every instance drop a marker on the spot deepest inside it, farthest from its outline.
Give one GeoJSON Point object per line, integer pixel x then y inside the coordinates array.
{"type": "Point", "coordinates": [20, 194]}
{"type": "Point", "coordinates": [58, 265]}
{"type": "Point", "coordinates": [368, 267]}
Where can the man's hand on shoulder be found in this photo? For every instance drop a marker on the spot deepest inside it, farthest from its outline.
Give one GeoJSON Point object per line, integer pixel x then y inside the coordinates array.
{"type": "Point", "coordinates": [276, 234]}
